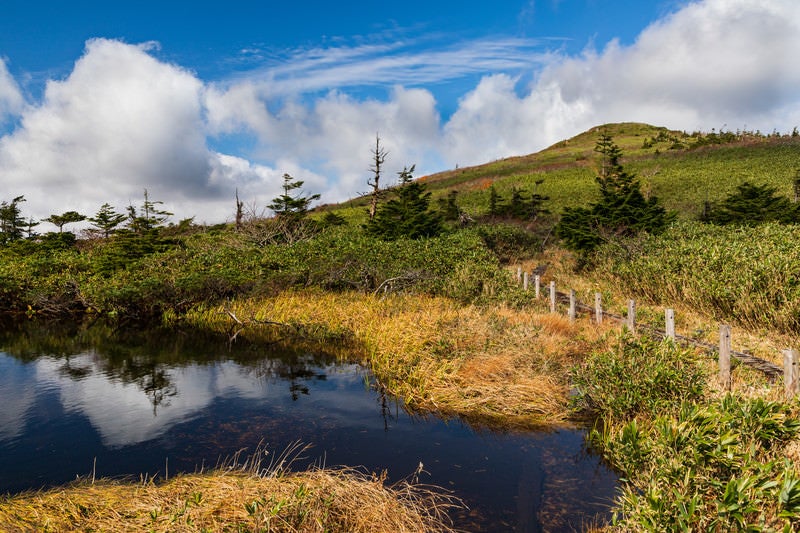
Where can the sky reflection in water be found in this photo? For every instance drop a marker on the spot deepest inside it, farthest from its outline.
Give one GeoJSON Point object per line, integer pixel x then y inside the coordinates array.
{"type": "Point", "coordinates": [135, 413]}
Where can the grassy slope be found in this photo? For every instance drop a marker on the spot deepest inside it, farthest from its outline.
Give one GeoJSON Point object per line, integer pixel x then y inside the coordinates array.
{"type": "Point", "coordinates": [682, 178]}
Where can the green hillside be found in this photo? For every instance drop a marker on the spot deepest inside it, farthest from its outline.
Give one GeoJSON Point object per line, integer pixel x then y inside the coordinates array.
{"type": "Point", "coordinates": [683, 170]}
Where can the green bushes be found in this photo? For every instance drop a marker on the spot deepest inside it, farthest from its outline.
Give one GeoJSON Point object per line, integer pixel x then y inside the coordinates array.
{"type": "Point", "coordinates": [456, 265]}
{"type": "Point", "coordinates": [637, 377]}
{"type": "Point", "coordinates": [687, 464]}
{"type": "Point", "coordinates": [140, 276]}
{"type": "Point", "coordinates": [747, 275]}
{"type": "Point", "coordinates": [714, 467]}
{"type": "Point", "coordinates": [508, 242]}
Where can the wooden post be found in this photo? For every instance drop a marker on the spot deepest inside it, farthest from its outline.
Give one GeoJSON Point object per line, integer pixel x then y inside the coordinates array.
{"type": "Point", "coordinates": [725, 356]}
{"type": "Point", "coordinates": [572, 312]}
{"type": "Point", "coordinates": [632, 315]}
{"type": "Point", "coordinates": [537, 285]}
{"type": "Point", "coordinates": [552, 296]}
{"type": "Point", "coordinates": [790, 372]}
{"type": "Point", "coordinates": [669, 320]}
{"type": "Point", "coordinates": [525, 281]}
{"type": "Point", "coordinates": [598, 308]}
{"type": "Point", "coordinates": [519, 274]}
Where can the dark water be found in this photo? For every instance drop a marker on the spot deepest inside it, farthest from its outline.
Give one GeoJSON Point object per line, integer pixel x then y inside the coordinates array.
{"type": "Point", "coordinates": [145, 403]}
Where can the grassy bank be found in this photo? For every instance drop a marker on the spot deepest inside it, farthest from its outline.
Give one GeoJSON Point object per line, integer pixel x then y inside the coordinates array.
{"type": "Point", "coordinates": [234, 500]}
{"type": "Point", "coordinates": [500, 365]}
{"type": "Point", "coordinates": [692, 457]}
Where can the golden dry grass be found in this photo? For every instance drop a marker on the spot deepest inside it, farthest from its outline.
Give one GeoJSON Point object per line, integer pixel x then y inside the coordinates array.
{"type": "Point", "coordinates": [499, 365]}
{"type": "Point", "coordinates": [225, 500]}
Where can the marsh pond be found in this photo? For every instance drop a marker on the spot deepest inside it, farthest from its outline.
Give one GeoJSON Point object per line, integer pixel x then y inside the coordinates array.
{"type": "Point", "coordinates": [78, 401]}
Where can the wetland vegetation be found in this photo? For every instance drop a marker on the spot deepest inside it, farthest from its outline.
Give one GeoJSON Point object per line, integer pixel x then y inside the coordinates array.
{"type": "Point", "coordinates": [443, 326]}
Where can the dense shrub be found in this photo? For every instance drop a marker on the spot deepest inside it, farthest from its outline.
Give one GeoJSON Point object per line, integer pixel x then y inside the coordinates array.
{"type": "Point", "coordinates": [747, 275]}
{"type": "Point", "coordinates": [714, 467]}
{"type": "Point", "coordinates": [510, 243]}
{"type": "Point", "coordinates": [751, 205]}
{"type": "Point", "coordinates": [637, 376]}
{"type": "Point", "coordinates": [141, 276]}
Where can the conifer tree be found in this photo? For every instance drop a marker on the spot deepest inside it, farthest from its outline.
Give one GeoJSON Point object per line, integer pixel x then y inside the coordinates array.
{"type": "Point", "coordinates": [448, 206]}
{"type": "Point", "coordinates": [751, 205]}
{"type": "Point", "coordinates": [63, 219]}
{"type": "Point", "coordinates": [11, 220]}
{"type": "Point", "coordinates": [148, 217]}
{"type": "Point", "coordinates": [496, 205]}
{"type": "Point", "coordinates": [107, 219]}
{"type": "Point", "coordinates": [288, 206]}
{"type": "Point", "coordinates": [622, 210]}
{"type": "Point", "coordinates": [407, 214]}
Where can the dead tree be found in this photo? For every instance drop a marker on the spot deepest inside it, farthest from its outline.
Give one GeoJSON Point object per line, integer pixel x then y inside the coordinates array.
{"type": "Point", "coordinates": [378, 157]}
{"type": "Point", "coordinates": [239, 211]}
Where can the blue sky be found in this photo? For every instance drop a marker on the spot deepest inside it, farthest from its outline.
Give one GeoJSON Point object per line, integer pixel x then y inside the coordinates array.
{"type": "Point", "coordinates": [194, 100]}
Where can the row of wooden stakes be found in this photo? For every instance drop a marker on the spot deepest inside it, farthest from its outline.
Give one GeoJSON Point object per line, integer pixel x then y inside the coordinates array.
{"type": "Point", "coordinates": [791, 358]}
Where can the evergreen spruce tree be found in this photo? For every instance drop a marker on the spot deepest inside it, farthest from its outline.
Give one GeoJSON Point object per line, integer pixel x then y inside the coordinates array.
{"type": "Point", "coordinates": [407, 214]}
{"type": "Point", "coordinates": [12, 223]}
{"type": "Point", "coordinates": [496, 206]}
{"type": "Point", "coordinates": [291, 207]}
{"type": "Point", "coordinates": [751, 205]}
{"type": "Point", "coordinates": [106, 220]}
{"type": "Point", "coordinates": [149, 216]}
{"type": "Point", "coordinates": [622, 210]}
{"type": "Point", "coordinates": [63, 219]}
{"type": "Point", "coordinates": [448, 207]}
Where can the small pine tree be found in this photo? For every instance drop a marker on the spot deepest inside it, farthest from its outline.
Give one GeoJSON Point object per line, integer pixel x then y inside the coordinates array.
{"type": "Point", "coordinates": [448, 207]}
{"type": "Point", "coordinates": [106, 220]}
{"type": "Point", "coordinates": [496, 203]}
{"type": "Point", "coordinates": [751, 205]}
{"type": "Point", "coordinates": [149, 216]}
{"type": "Point", "coordinates": [11, 221]}
{"type": "Point", "coordinates": [63, 219]}
{"type": "Point", "coordinates": [291, 207]}
{"type": "Point", "coordinates": [622, 210]}
{"type": "Point", "coordinates": [407, 215]}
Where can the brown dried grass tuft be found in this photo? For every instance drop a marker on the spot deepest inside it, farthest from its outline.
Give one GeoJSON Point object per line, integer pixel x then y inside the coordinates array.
{"type": "Point", "coordinates": [499, 364]}
{"type": "Point", "coordinates": [238, 499]}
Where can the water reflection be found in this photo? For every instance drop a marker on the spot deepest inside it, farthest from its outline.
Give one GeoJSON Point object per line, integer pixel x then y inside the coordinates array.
{"type": "Point", "coordinates": [134, 401]}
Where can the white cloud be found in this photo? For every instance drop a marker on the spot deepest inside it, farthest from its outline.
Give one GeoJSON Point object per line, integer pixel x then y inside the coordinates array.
{"type": "Point", "coordinates": [712, 63]}
{"type": "Point", "coordinates": [11, 101]}
{"type": "Point", "coordinates": [407, 62]}
{"type": "Point", "coordinates": [120, 122]}
{"type": "Point", "coordinates": [334, 136]}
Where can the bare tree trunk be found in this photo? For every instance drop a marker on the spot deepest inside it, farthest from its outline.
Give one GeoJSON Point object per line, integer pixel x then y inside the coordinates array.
{"type": "Point", "coordinates": [378, 157]}
{"type": "Point", "coordinates": [239, 211]}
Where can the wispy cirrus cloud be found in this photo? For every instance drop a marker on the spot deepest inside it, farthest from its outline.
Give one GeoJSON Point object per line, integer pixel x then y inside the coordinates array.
{"type": "Point", "coordinates": [407, 62]}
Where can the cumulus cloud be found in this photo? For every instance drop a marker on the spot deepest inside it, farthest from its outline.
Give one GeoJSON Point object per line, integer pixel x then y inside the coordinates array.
{"type": "Point", "coordinates": [11, 100]}
{"type": "Point", "coordinates": [120, 122]}
{"type": "Point", "coordinates": [335, 135]}
{"type": "Point", "coordinates": [712, 62]}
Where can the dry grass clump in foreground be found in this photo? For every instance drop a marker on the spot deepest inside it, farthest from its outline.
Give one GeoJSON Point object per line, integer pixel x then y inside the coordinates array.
{"type": "Point", "coordinates": [318, 500]}
{"type": "Point", "coordinates": [498, 365]}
